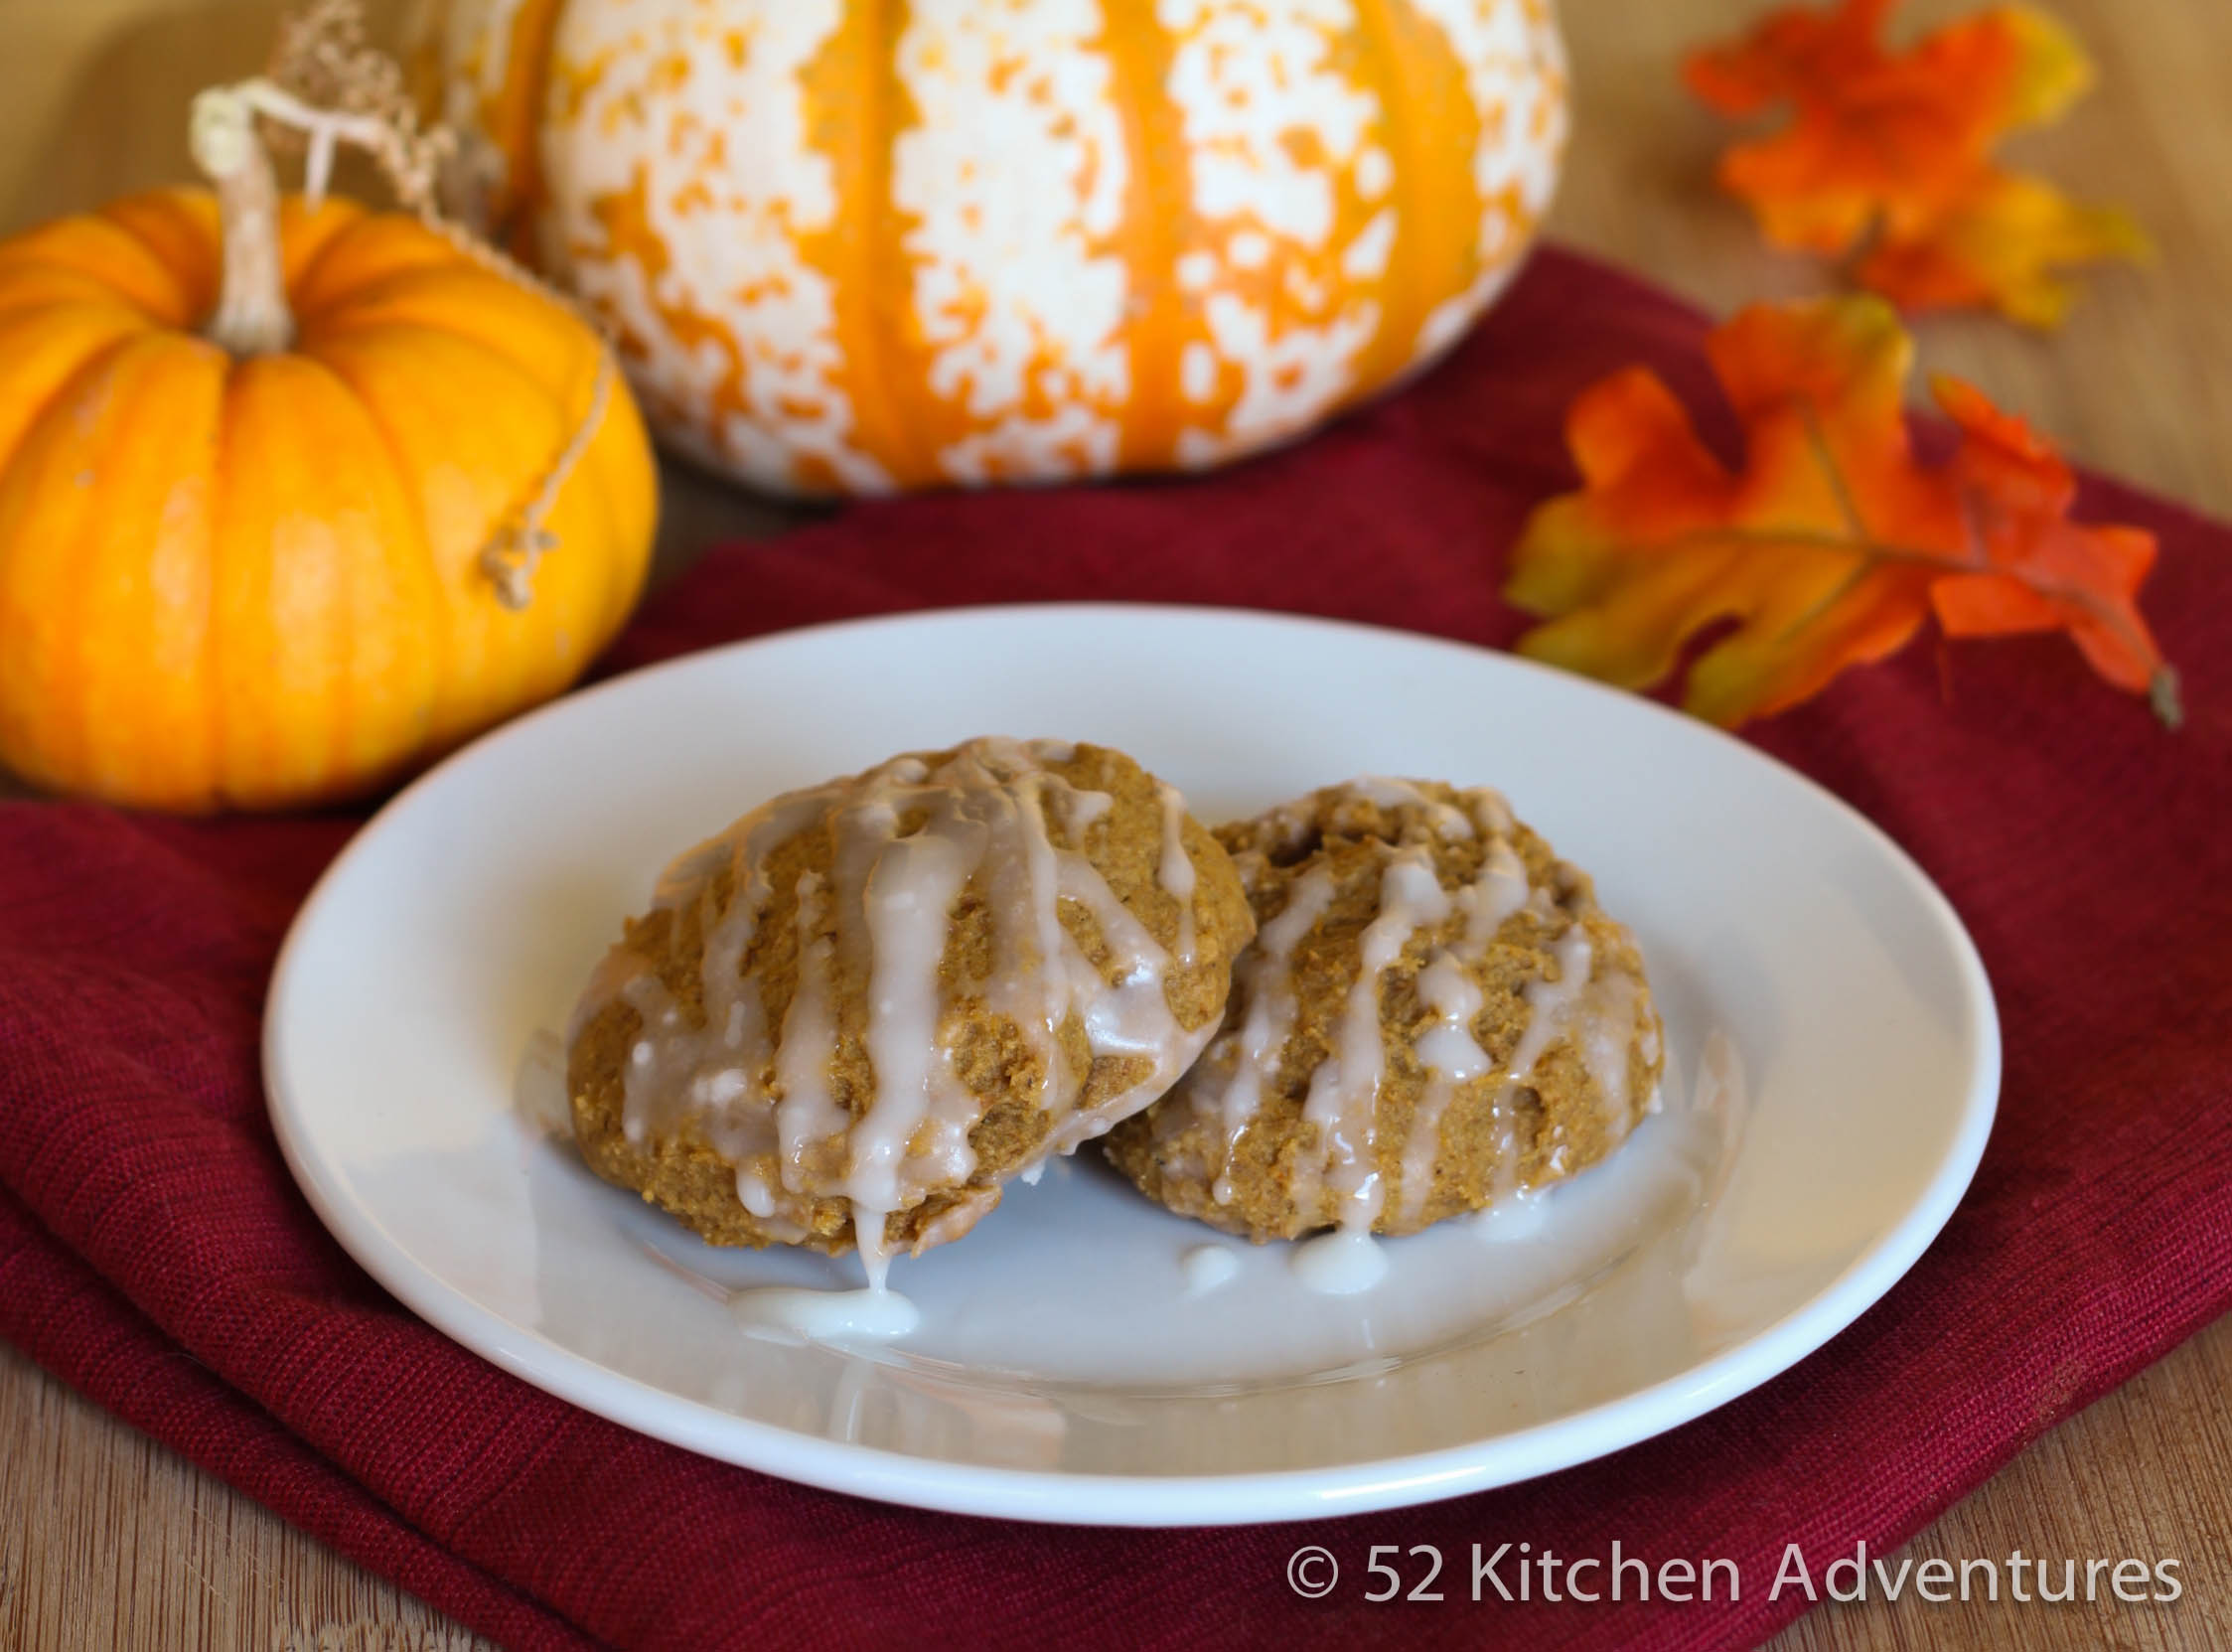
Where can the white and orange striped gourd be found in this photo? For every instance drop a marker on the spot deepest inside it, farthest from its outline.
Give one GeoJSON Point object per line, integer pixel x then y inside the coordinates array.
{"type": "Point", "coordinates": [848, 247]}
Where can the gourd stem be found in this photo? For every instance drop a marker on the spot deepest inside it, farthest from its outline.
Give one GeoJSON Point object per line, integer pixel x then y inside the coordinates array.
{"type": "Point", "coordinates": [251, 316]}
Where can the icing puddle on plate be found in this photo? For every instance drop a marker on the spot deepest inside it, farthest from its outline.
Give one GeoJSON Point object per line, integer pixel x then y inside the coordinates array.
{"type": "Point", "coordinates": [1077, 1278]}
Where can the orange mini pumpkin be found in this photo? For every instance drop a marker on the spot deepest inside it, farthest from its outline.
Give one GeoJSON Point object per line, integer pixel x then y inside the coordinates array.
{"type": "Point", "coordinates": [252, 460]}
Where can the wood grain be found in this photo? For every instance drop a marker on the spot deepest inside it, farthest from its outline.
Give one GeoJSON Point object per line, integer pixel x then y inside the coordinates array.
{"type": "Point", "coordinates": [107, 1540]}
{"type": "Point", "coordinates": [2139, 382]}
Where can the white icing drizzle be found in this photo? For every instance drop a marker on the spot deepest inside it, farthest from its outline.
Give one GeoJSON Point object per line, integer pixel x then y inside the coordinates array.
{"type": "Point", "coordinates": [752, 1191]}
{"type": "Point", "coordinates": [1176, 872]}
{"type": "Point", "coordinates": [1128, 1015]}
{"type": "Point", "coordinates": [1594, 1010]}
{"type": "Point", "coordinates": [1591, 1010]}
{"type": "Point", "coordinates": [539, 1086]}
{"type": "Point", "coordinates": [1081, 807]}
{"type": "Point", "coordinates": [911, 889]}
{"type": "Point", "coordinates": [1489, 812]}
{"type": "Point", "coordinates": [1250, 1056]}
{"type": "Point", "coordinates": [877, 1315]}
{"type": "Point", "coordinates": [1452, 1057]}
{"type": "Point", "coordinates": [1499, 889]}
{"type": "Point", "coordinates": [1342, 1263]}
{"type": "Point", "coordinates": [1450, 1052]}
{"type": "Point", "coordinates": [1521, 1215]}
{"type": "Point", "coordinates": [1602, 1036]}
{"type": "Point", "coordinates": [907, 842]}
{"type": "Point", "coordinates": [1550, 1000]}
{"type": "Point", "coordinates": [1343, 1100]}
{"type": "Point", "coordinates": [1448, 820]}
{"type": "Point", "coordinates": [806, 1113]}
{"type": "Point", "coordinates": [1035, 971]}
{"type": "Point", "coordinates": [965, 1210]}
{"type": "Point", "coordinates": [1208, 1267]}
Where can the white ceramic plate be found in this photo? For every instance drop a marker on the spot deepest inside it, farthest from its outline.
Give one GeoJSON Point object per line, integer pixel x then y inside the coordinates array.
{"type": "Point", "coordinates": [1833, 1058]}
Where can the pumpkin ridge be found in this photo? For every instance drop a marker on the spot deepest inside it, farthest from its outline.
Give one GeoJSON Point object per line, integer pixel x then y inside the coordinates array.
{"type": "Point", "coordinates": [144, 282]}
{"type": "Point", "coordinates": [605, 615]}
{"type": "Point", "coordinates": [521, 102]}
{"type": "Point", "coordinates": [49, 303]}
{"type": "Point", "coordinates": [341, 635]}
{"type": "Point", "coordinates": [871, 228]}
{"type": "Point", "coordinates": [604, 610]}
{"type": "Point", "coordinates": [528, 382]}
{"type": "Point", "coordinates": [67, 385]}
{"type": "Point", "coordinates": [212, 639]}
{"type": "Point", "coordinates": [41, 766]}
{"type": "Point", "coordinates": [406, 483]}
{"type": "Point", "coordinates": [138, 327]}
{"type": "Point", "coordinates": [221, 370]}
{"type": "Point", "coordinates": [72, 717]}
{"type": "Point", "coordinates": [608, 612]}
{"type": "Point", "coordinates": [280, 760]}
{"type": "Point", "coordinates": [1161, 187]}
{"type": "Point", "coordinates": [177, 224]}
{"type": "Point", "coordinates": [307, 275]}
{"type": "Point", "coordinates": [1407, 297]}
{"type": "Point", "coordinates": [214, 644]}
{"type": "Point", "coordinates": [335, 319]}
{"type": "Point", "coordinates": [540, 376]}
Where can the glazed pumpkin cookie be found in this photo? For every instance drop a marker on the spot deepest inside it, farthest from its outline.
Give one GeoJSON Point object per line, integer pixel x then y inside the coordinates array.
{"type": "Point", "coordinates": [862, 1008]}
{"type": "Point", "coordinates": [1433, 1015]}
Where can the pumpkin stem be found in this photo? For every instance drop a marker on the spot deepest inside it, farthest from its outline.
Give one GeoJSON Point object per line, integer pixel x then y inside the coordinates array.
{"type": "Point", "coordinates": [251, 316]}
{"type": "Point", "coordinates": [330, 88]}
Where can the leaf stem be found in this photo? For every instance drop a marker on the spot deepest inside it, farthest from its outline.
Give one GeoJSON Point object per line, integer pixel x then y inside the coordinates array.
{"type": "Point", "coordinates": [2163, 692]}
{"type": "Point", "coordinates": [2164, 689]}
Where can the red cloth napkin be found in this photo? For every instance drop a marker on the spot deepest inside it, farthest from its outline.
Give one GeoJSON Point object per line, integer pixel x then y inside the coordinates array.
{"type": "Point", "coordinates": [154, 1253]}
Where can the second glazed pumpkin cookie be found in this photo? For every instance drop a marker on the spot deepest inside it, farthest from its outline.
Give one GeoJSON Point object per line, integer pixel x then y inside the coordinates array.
{"type": "Point", "coordinates": [857, 1012]}
{"type": "Point", "coordinates": [1433, 1015]}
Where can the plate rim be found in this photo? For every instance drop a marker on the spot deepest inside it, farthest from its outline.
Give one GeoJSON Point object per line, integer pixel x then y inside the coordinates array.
{"type": "Point", "coordinates": [1059, 1497]}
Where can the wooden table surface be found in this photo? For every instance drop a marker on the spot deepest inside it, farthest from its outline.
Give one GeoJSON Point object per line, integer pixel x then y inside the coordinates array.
{"type": "Point", "coordinates": [107, 1540]}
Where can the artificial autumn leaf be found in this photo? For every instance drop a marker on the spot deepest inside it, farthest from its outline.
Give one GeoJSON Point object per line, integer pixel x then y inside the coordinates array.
{"type": "Point", "coordinates": [2046, 573]}
{"type": "Point", "coordinates": [1999, 247]}
{"type": "Point", "coordinates": [1831, 543]}
{"type": "Point", "coordinates": [1900, 144]}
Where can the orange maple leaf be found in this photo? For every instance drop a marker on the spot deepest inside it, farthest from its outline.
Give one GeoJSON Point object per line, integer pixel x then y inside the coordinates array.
{"type": "Point", "coordinates": [1831, 543]}
{"type": "Point", "coordinates": [1899, 143]}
